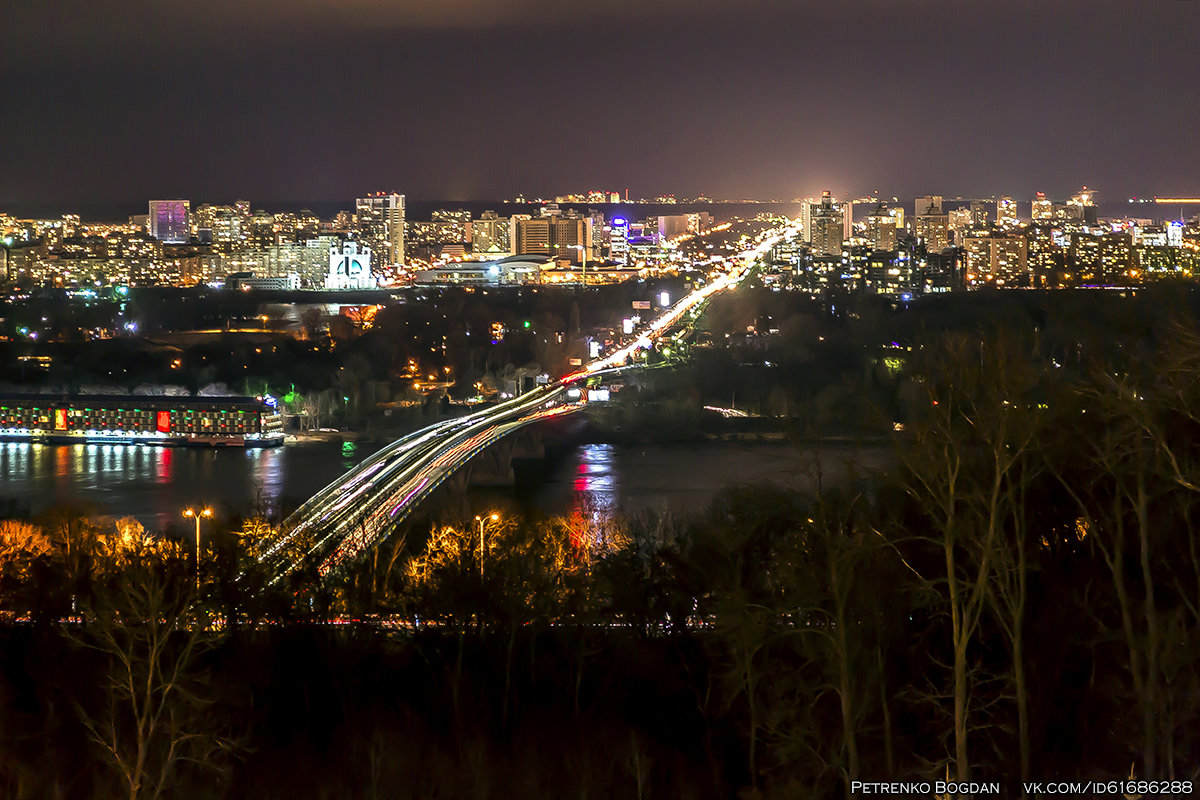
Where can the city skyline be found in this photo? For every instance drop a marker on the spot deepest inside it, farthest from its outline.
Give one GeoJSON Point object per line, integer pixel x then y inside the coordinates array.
{"type": "Point", "coordinates": [776, 100]}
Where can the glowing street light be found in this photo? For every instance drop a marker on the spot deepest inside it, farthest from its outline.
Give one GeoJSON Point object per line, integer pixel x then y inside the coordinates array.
{"type": "Point", "coordinates": [196, 515]}
{"type": "Point", "coordinates": [482, 521]}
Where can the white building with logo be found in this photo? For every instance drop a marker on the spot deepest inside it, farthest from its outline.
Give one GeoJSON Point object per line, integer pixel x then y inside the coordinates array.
{"type": "Point", "coordinates": [350, 267]}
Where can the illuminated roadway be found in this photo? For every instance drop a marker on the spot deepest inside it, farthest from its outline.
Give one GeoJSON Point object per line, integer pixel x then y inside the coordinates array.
{"type": "Point", "coordinates": [344, 520]}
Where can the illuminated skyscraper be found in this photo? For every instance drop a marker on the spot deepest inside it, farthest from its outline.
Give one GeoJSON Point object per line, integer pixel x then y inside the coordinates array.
{"type": "Point", "coordinates": [381, 222]}
{"type": "Point", "coordinates": [997, 261]}
{"type": "Point", "coordinates": [882, 227]}
{"type": "Point", "coordinates": [929, 204]}
{"type": "Point", "coordinates": [1042, 208]}
{"type": "Point", "coordinates": [931, 224]}
{"type": "Point", "coordinates": [959, 221]}
{"type": "Point", "coordinates": [459, 220]}
{"type": "Point", "coordinates": [556, 236]}
{"type": "Point", "coordinates": [489, 235]}
{"type": "Point", "coordinates": [169, 221]}
{"type": "Point", "coordinates": [981, 216]}
{"type": "Point", "coordinates": [1083, 206]}
{"type": "Point", "coordinates": [1006, 212]}
{"type": "Point", "coordinates": [618, 240]}
{"type": "Point", "coordinates": [825, 225]}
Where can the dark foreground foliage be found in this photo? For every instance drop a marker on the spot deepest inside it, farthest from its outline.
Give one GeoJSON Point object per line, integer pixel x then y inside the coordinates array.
{"type": "Point", "coordinates": [1019, 597]}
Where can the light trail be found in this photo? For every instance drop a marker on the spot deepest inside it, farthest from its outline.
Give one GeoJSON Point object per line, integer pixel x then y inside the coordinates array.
{"type": "Point", "coordinates": [342, 521]}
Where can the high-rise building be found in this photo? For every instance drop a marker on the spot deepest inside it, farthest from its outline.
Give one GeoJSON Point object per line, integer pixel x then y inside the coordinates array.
{"type": "Point", "coordinates": [671, 226]}
{"type": "Point", "coordinates": [618, 240]}
{"type": "Point", "coordinates": [825, 225]}
{"type": "Point", "coordinates": [489, 235]}
{"type": "Point", "coordinates": [1006, 212]}
{"type": "Point", "coordinates": [959, 221]}
{"type": "Point", "coordinates": [557, 236]}
{"type": "Point", "coordinates": [1085, 258]}
{"type": "Point", "coordinates": [460, 220]}
{"type": "Point", "coordinates": [882, 225]}
{"type": "Point", "coordinates": [933, 229]}
{"type": "Point", "coordinates": [1047, 260]}
{"type": "Point", "coordinates": [1117, 262]}
{"type": "Point", "coordinates": [929, 204]}
{"type": "Point", "coordinates": [890, 273]}
{"type": "Point", "coordinates": [997, 261]}
{"type": "Point", "coordinates": [381, 222]}
{"type": "Point", "coordinates": [980, 215]}
{"type": "Point", "coordinates": [169, 221]}
{"type": "Point", "coordinates": [1082, 206]}
{"type": "Point", "coordinates": [1041, 208]}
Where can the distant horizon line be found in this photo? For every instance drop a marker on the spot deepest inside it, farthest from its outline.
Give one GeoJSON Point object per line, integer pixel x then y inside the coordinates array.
{"type": "Point", "coordinates": [104, 211]}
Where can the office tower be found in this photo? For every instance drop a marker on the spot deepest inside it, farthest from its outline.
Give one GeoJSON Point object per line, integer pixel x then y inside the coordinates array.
{"type": "Point", "coordinates": [1041, 209]}
{"type": "Point", "coordinates": [825, 225]}
{"type": "Point", "coordinates": [598, 228]}
{"type": "Point", "coordinates": [672, 226]}
{"type": "Point", "coordinates": [1046, 258]}
{"type": "Point", "coordinates": [1082, 206]}
{"type": "Point", "coordinates": [931, 225]}
{"type": "Point", "coordinates": [169, 221]}
{"type": "Point", "coordinates": [997, 260]}
{"type": "Point", "coordinates": [1006, 212]}
{"type": "Point", "coordinates": [531, 236]}
{"type": "Point", "coordinates": [490, 235]}
{"type": "Point", "coordinates": [618, 240]}
{"type": "Point", "coordinates": [959, 222]}
{"type": "Point", "coordinates": [457, 221]}
{"type": "Point", "coordinates": [882, 228]}
{"type": "Point", "coordinates": [1117, 259]}
{"type": "Point", "coordinates": [929, 204]}
{"type": "Point", "coordinates": [557, 236]}
{"type": "Point", "coordinates": [890, 272]}
{"type": "Point", "coordinates": [981, 215]}
{"type": "Point", "coordinates": [381, 222]}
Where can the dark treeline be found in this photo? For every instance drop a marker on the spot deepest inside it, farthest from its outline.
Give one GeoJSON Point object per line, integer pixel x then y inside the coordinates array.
{"type": "Point", "coordinates": [1019, 598]}
{"type": "Point", "coordinates": [472, 340]}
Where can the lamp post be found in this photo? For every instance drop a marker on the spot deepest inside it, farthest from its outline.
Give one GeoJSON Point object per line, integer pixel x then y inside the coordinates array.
{"type": "Point", "coordinates": [482, 521]}
{"type": "Point", "coordinates": [196, 515]}
{"type": "Point", "coordinates": [583, 259]}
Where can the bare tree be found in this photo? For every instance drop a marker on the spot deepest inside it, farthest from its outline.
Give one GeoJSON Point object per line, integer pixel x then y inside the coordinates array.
{"type": "Point", "coordinates": [152, 719]}
{"type": "Point", "coordinates": [968, 439]}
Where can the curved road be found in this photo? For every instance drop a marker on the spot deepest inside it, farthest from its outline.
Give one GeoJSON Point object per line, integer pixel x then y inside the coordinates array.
{"type": "Point", "coordinates": [345, 519]}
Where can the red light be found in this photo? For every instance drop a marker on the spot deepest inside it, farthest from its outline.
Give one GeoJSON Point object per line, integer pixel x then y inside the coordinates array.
{"type": "Point", "coordinates": [164, 422]}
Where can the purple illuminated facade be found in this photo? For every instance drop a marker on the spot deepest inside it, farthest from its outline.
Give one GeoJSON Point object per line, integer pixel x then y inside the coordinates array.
{"type": "Point", "coordinates": [169, 221]}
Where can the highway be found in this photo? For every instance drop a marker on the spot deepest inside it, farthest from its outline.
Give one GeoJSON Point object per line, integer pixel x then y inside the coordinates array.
{"type": "Point", "coordinates": [343, 521]}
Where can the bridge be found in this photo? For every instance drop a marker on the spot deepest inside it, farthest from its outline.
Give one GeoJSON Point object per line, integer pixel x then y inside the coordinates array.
{"type": "Point", "coordinates": [342, 522]}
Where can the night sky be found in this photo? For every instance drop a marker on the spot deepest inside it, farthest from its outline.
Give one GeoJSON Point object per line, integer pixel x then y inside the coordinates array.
{"type": "Point", "coordinates": [456, 99]}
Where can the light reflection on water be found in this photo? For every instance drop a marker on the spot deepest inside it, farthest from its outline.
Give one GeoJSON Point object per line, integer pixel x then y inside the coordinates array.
{"type": "Point", "coordinates": [595, 486]}
{"type": "Point", "coordinates": [593, 498]}
{"type": "Point", "coordinates": [154, 483]}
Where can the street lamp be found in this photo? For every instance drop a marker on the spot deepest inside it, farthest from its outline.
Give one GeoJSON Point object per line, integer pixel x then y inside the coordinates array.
{"type": "Point", "coordinates": [583, 257]}
{"type": "Point", "coordinates": [196, 515]}
{"type": "Point", "coordinates": [481, 521]}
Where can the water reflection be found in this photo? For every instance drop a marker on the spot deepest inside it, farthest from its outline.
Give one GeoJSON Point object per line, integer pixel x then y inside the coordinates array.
{"type": "Point", "coordinates": [595, 486]}
{"type": "Point", "coordinates": [152, 484]}
{"type": "Point", "coordinates": [593, 505]}
{"type": "Point", "coordinates": [267, 475]}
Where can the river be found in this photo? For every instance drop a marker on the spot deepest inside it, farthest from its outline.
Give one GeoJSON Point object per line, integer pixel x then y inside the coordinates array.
{"type": "Point", "coordinates": [154, 484]}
